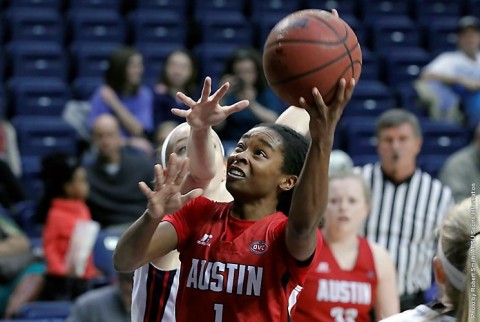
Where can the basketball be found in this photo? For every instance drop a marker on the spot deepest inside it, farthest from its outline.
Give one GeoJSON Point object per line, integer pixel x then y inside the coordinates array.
{"type": "Point", "coordinates": [310, 48]}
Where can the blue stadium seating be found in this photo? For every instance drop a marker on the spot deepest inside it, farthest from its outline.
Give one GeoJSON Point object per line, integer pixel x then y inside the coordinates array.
{"type": "Point", "coordinates": [405, 64]}
{"type": "Point", "coordinates": [96, 4]}
{"type": "Point", "coordinates": [409, 100]}
{"type": "Point", "coordinates": [83, 87]}
{"type": "Point", "coordinates": [441, 138]}
{"type": "Point", "coordinates": [359, 135]}
{"type": "Point", "coordinates": [97, 26]}
{"type": "Point", "coordinates": [431, 10]}
{"type": "Point", "coordinates": [45, 310]}
{"type": "Point", "coordinates": [370, 98]}
{"type": "Point", "coordinates": [473, 7]}
{"type": "Point", "coordinates": [344, 7]}
{"type": "Point", "coordinates": [179, 6]}
{"type": "Point", "coordinates": [26, 211]}
{"type": "Point", "coordinates": [38, 59]}
{"type": "Point", "coordinates": [284, 7]}
{"type": "Point", "coordinates": [394, 32]}
{"type": "Point", "coordinates": [43, 4]}
{"type": "Point", "coordinates": [265, 25]}
{"type": "Point", "coordinates": [431, 163]}
{"type": "Point", "coordinates": [362, 159]}
{"type": "Point", "coordinates": [39, 96]}
{"type": "Point", "coordinates": [154, 56]}
{"type": "Point", "coordinates": [158, 26]}
{"type": "Point", "coordinates": [2, 31]}
{"type": "Point", "coordinates": [440, 35]}
{"type": "Point", "coordinates": [103, 251]}
{"type": "Point", "coordinates": [3, 101]}
{"type": "Point", "coordinates": [205, 7]}
{"type": "Point", "coordinates": [41, 135]}
{"type": "Point", "coordinates": [35, 24]}
{"type": "Point", "coordinates": [229, 28]}
{"type": "Point", "coordinates": [370, 65]}
{"type": "Point", "coordinates": [212, 58]}
{"type": "Point", "coordinates": [374, 9]}
{"type": "Point", "coordinates": [357, 27]}
{"type": "Point", "coordinates": [91, 59]}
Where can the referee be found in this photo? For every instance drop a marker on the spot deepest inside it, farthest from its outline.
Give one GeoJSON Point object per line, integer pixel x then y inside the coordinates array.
{"type": "Point", "coordinates": [407, 204]}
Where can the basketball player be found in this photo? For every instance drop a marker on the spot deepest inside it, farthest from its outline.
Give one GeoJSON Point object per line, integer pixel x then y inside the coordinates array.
{"type": "Point", "coordinates": [242, 260]}
{"type": "Point", "coordinates": [353, 275]}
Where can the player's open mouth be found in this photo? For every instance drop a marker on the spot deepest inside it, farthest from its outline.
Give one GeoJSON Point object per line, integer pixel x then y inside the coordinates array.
{"type": "Point", "coordinates": [236, 172]}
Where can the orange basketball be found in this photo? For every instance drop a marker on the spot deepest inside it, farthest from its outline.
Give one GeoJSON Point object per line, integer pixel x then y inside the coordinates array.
{"type": "Point", "coordinates": [310, 48]}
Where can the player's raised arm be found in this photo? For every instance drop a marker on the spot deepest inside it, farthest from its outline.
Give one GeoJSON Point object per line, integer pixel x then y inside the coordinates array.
{"type": "Point", "coordinates": [310, 194]}
{"type": "Point", "coordinates": [148, 238]}
{"type": "Point", "coordinates": [201, 116]}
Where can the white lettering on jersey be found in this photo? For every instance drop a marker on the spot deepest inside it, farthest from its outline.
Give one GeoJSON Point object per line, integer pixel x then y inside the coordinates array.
{"type": "Point", "coordinates": [344, 292]}
{"type": "Point", "coordinates": [205, 275]}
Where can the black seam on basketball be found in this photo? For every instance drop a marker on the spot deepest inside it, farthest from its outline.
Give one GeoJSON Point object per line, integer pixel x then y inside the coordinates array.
{"type": "Point", "coordinates": [311, 71]}
{"type": "Point", "coordinates": [341, 75]}
{"type": "Point", "coordinates": [339, 37]}
{"type": "Point", "coordinates": [313, 42]}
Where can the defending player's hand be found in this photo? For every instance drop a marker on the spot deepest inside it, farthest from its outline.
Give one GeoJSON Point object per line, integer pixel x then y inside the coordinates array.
{"type": "Point", "coordinates": [166, 198]}
{"type": "Point", "coordinates": [207, 111]}
{"type": "Point", "coordinates": [323, 118]}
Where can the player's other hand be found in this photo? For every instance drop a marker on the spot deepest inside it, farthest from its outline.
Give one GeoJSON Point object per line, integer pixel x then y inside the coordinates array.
{"type": "Point", "coordinates": [166, 197]}
{"type": "Point", "coordinates": [207, 111]}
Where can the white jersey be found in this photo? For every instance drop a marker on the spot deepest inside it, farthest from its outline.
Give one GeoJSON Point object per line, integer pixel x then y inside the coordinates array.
{"type": "Point", "coordinates": [455, 64]}
{"type": "Point", "coordinates": [419, 314]}
{"type": "Point", "coordinates": [154, 294]}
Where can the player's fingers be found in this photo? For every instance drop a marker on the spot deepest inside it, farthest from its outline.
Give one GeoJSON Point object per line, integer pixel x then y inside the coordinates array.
{"type": "Point", "coordinates": [186, 99]}
{"type": "Point", "coordinates": [206, 90]}
{"type": "Point", "coordinates": [220, 93]}
{"type": "Point", "coordinates": [350, 88]}
{"type": "Point", "coordinates": [341, 90]}
{"type": "Point", "coordinates": [147, 192]}
{"type": "Point", "coordinates": [335, 13]}
{"type": "Point", "coordinates": [303, 104]}
{"type": "Point", "coordinates": [195, 193]}
{"type": "Point", "coordinates": [159, 173]}
{"type": "Point", "coordinates": [318, 98]}
{"type": "Point", "coordinates": [179, 112]}
{"type": "Point", "coordinates": [184, 166]}
{"type": "Point", "coordinates": [172, 169]}
{"type": "Point", "coordinates": [236, 107]}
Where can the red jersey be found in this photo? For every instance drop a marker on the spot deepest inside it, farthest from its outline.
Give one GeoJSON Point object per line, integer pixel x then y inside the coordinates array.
{"type": "Point", "coordinates": [234, 270]}
{"type": "Point", "coordinates": [333, 294]}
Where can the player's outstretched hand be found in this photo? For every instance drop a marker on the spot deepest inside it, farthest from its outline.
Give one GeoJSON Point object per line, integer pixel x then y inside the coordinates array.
{"type": "Point", "coordinates": [323, 118]}
{"type": "Point", "coordinates": [207, 111]}
{"type": "Point", "coordinates": [166, 198]}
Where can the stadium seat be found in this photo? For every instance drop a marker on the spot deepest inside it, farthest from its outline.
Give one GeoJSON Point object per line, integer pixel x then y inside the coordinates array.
{"type": "Point", "coordinates": [158, 26]}
{"type": "Point", "coordinates": [39, 96]}
{"type": "Point", "coordinates": [96, 4]}
{"type": "Point", "coordinates": [2, 31]}
{"type": "Point", "coordinates": [442, 138]}
{"type": "Point", "coordinates": [370, 65]}
{"type": "Point", "coordinates": [431, 163]}
{"type": "Point", "coordinates": [363, 159]}
{"type": "Point", "coordinates": [431, 10]}
{"type": "Point", "coordinates": [359, 135]}
{"type": "Point", "coordinates": [473, 7]}
{"type": "Point", "coordinates": [25, 211]}
{"type": "Point", "coordinates": [35, 24]}
{"type": "Point", "coordinates": [97, 26]}
{"type": "Point", "coordinates": [383, 8]}
{"type": "Point", "coordinates": [394, 32]}
{"type": "Point", "coordinates": [212, 59]}
{"type": "Point", "coordinates": [83, 87]}
{"type": "Point", "coordinates": [344, 7]}
{"type": "Point", "coordinates": [91, 59]}
{"type": "Point", "coordinates": [3, 101]}
{"type": "Point", "coordinates": [370, 98]}
{"type": "Point", "coordinates": [45, 310]}
{"type": "Point", "coordinates": [38, 59]}
{"type": "Point", "coordinates": [409, 100]}
{"type": "Point", "coordinates": [229, 28]}
{"type": "Point", "coordinates": [103, 251]}
{"type": "Point", "coordinates": [405, 64]}
{"type": "Point", "coordinates": [284, 7]}
{"type": "Point", "coordinates": [179, 6]}
{"type": "Point", "coordinates": [154, 56]}
{"type": "Point", "coordinates": [41, 135]}
{"type": "Point", "coordinates": [205, 7]}
{"type": "Point", "coordinates": [43, 4]}
{"type": "Point", "coordinates": [440, 34]}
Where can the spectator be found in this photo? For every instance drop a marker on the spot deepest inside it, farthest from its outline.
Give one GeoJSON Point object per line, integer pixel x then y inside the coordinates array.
{"type": "Point", "coordinates": [9, 147]}
{"type": "Point", "coordinates": [108, 303]}
{"type": "Point", "coordinates": [11, 190]}
{"type": "Point", "coordinates": [179, 74]}
{"type": "Point", "coordinates": [457, 269]}
{"type": "Point", "coordinates": [62, 207]}
{"type": "Point", "coordinates": [114, 197]}
{"type": "Point", "coordinates": [453, 78]}
{"type": "Point", "coordinates": [123, 95]}
{"type": "Point", "coordinates": [407, 204]}
{"type": "Point", "coordinates": [462, 169]}
{"type": "Point", "coordinates": [354, 276]}
{"type": "Point", "coordinates": [244, 71]}
{"type": "Point", "coordinates": [21, 278]}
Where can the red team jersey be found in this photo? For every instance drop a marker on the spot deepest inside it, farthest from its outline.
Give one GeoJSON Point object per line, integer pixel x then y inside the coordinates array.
{"type": "Point", "coordinates": [234, 270]}
{"type": "Point", "coordinates": [333, 294]}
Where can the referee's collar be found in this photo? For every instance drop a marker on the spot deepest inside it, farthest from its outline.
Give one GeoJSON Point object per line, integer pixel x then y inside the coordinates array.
{"type": "Point", "coordinates": [392, 180]}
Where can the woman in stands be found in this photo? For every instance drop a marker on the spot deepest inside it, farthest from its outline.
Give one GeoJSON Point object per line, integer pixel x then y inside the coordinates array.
{"type": "Point", "coordinates": [354, 276]}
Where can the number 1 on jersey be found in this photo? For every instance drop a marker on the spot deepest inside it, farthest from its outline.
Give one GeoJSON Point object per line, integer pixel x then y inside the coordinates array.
{"type": "Point", "coordinates": [218, 308]}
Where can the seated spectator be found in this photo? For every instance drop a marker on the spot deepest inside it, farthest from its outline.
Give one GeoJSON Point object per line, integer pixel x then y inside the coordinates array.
{"type": "Point", "coordinates": [9, 147]}
{"type": "Point", "coordinates": [452, 80]}
{"type": "Point", "coordinates": [109, 303]}
{"type": "Point", "coordinates": [21, 277]}
{"type": "Point", "coordinates": [462, 169]}
{"type": "Point", "coordinates": [123, 95]}
{"type": "Point", "coordinates": [244, 71]}
{"type": "Point", "coordinates": [179, 74]}
{"type": "Point", "coordinates": [11, 189]}
{"type": "Point", "coordinates": [456, 266]}
{"type": "Point", "coordinates": [62, 207]}
{"type": "Point", "coordinates": [115, 198]}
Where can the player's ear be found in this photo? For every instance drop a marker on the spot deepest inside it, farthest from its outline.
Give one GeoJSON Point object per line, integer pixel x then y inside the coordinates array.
{"type": "Point", "coordinates": [287, 182]}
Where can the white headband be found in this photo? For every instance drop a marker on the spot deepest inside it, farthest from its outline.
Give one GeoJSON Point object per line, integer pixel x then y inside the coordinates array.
{"type": "Point", "coordinates": [454, 276]}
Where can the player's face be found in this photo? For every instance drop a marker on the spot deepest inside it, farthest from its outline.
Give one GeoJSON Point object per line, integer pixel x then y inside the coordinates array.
{"type": "Point", "coordinates": [135, 70]}
{"type": "Point", "coordinates": [347, 206]}
{"type": "Point", "coordinates": [398, 146]}
{"type": "Point", "coordinates": [254, 167]}
{"type": "Point", "coordinates": [178, 69]}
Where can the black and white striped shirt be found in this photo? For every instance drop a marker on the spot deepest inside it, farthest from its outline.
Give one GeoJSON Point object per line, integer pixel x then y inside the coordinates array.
{"type": "Point", "coordinates": [403, 219]}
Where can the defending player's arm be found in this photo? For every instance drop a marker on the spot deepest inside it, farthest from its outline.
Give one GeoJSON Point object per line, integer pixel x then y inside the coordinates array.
{"type": "Point", "coordinates": [310, 194]}
{"type": "Point", "coordinates": [201, 116]}
{"type": "Point", "coordinates": [149, 238]}
{"type": "Point", "coordinates": [295, 118]}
